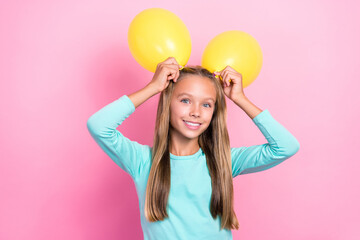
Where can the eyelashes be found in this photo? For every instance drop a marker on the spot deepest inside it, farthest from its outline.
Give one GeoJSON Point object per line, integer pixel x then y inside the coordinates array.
{"type": "Point", "coordinates": [185, 99]}
{"type": "Point", "coordinates": [208, 104]}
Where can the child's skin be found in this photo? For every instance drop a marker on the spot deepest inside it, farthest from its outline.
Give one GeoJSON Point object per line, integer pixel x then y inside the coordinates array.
{"type": "Point", "coordinates": [192, 108]}
{"type": "Point", "coordinates": [193, 100]}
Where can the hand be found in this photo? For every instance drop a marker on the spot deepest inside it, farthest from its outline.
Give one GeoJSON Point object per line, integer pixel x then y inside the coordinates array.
{"type": "Point", "coordinates": [165, 71]}
{"type": "Point", "coordinates": [231, 82]}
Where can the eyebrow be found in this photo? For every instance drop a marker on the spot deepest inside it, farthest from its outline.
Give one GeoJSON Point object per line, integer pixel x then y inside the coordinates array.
{"type": "Point", "coordinates": [187, 94]}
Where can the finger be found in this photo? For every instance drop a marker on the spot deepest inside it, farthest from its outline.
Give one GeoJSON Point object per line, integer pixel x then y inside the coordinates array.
{"type": "Point", "coordinates": [235, 77]}
{"type": "Point", "coordinates": [230, 77]}
{"type": "Point", "coordinates": [175, 66]}
{"type": "Point", "coordinates": [228, 68]}
{"type": "Point", "coordinates": [169, 69]}
{"type": "Point", "coordinates": [232, 70]}
{"type": "Point", "coordinates": [172, 60]}
{"type": "Point", "coordinates": [223, 83]}
{"type": "Point", "coordinates": [176, 76]}
{"type": "Point", "coordinates": [226, 79]}
{"type": "Point", "coordinates": [222, 75]}
{"type": "Point", "coordinates": [221, 78]}
{"type": "Point", "coordinates": [171, 75]}
{"type": "Point", "coordinates": [219, 75]}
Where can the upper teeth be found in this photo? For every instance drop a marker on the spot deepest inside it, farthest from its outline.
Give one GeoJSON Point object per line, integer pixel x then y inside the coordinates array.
{"type": "Point", "coordinates": [193, 124]}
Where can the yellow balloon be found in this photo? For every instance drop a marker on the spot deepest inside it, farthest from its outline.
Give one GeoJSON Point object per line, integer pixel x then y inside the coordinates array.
{"type": "Point", "coordinates": [237, 49]}
{"type": "Point", "coordinates": [156, 34]}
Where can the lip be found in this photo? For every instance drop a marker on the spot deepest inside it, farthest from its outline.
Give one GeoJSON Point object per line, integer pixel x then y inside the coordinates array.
{"type": "Point", "coordinates": [192, 122]}
{"type": "Point", "coordinates": [192, 127]}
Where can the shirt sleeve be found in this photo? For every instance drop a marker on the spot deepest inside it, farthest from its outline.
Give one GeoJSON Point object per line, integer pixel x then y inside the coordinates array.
{"type": "Point", "coordinates": [281, 146]}
{"type": "Point", "coordinates": [127, 154]}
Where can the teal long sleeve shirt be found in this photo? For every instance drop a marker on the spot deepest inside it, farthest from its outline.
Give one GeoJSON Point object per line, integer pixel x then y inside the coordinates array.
{"type": "Point", "coordinates": [190, 189]}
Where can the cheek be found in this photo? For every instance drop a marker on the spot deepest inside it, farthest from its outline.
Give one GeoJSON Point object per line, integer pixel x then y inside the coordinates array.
{"type": "Point", "coordinates": [175, 114]}
{"type": "Point", "coordinates": [209, 115]}
{"type": "Point", "coordinates": [179, 111]}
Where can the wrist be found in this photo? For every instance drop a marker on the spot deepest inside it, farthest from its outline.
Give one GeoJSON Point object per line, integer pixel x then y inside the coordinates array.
{"type": "Point", "coordinates": [152, 89]}
{"type": "Point", "coordinates": [240, 99]}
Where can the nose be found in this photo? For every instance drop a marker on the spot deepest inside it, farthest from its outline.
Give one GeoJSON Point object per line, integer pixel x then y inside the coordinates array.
{"type": "Point", "coordinates": [195, 111]}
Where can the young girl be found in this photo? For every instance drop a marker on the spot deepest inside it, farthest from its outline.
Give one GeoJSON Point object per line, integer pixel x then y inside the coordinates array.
{"type": "Point", "coordinates": [184, 182]}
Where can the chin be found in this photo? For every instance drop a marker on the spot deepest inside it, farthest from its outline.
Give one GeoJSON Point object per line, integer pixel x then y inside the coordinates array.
{"type": "Point", "coordinates": [191, 136]}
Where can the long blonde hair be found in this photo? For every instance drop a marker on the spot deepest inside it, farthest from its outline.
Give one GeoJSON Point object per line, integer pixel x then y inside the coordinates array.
{"type": "Point", "coordinates": [214, 142]}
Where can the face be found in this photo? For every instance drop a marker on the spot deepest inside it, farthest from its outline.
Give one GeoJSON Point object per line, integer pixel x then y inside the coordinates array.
{"type": "Point", "coordinates": [192, 106]}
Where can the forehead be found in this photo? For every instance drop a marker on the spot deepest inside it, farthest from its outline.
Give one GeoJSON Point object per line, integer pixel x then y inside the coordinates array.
{"type": "Point", "coordinates": [195, 86]}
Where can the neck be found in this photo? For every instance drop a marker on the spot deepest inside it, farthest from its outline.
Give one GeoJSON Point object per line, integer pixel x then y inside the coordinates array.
{"type": "Point", "coordinates": [184, 148]}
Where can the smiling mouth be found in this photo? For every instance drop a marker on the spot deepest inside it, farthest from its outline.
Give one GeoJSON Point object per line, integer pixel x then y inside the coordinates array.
{"type": "Point", "coordinates": [192, 125]}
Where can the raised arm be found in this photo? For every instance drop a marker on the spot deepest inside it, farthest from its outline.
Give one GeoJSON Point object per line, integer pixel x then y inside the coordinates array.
{"type": "Point", "coordinates": [281, 146]}
{"type": "Point", "coordinates": [127, 154]}
{"type": "Point", "coordinates": [165, 71]}
{"type": "Point", "coordinates": [281, 143]}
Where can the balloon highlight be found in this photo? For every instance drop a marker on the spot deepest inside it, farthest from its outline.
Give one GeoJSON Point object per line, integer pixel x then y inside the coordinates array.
{"type": "Point", "coordinates": [156, 34]}
{"type": "Point", "coordinates": [237, 49]}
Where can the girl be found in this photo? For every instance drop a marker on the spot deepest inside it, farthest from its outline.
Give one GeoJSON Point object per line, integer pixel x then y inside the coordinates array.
{"type": "Point", "coordinates": [184, 182]}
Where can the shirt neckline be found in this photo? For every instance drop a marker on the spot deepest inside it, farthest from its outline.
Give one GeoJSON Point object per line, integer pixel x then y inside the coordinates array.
{"type": "Point", "coordinates": [187, 157]}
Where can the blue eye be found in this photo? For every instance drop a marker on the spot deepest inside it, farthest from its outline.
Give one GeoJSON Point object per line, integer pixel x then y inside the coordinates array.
{"type": "Point", "coordinates": [184, 100]}
{"type": "Point", "coordinates": [207, 105]}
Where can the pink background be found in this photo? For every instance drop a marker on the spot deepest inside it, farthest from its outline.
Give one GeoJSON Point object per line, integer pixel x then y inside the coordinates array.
{"type": "Point", "coordinates": [61, 61]}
